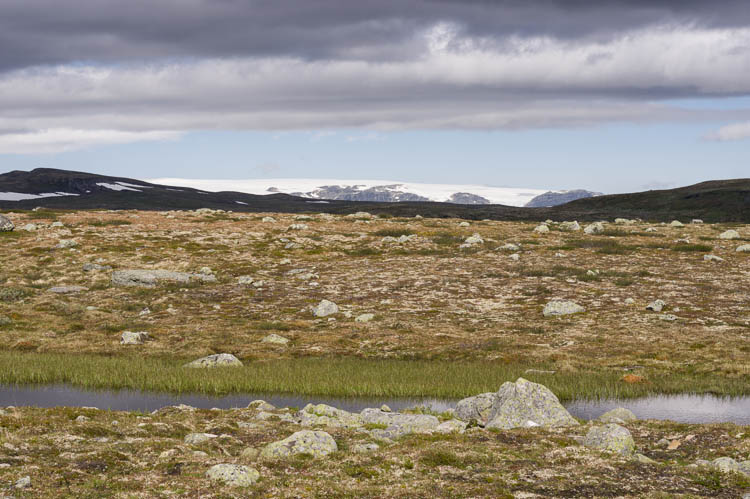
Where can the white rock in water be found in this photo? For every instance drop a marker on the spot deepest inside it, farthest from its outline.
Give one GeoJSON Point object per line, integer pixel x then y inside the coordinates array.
{"type": "Point", "coordinates": [131, 338]}
{"type": "Point", "coordinates": [234, 475]}
{"type": "Point", "coordinates": [729, 234]}
{"type": "Point", "coordinates": [325, 308]}
{"type": "Point", "coordinates": [562, 307]}
{"type": "Point", "coordinates": [216, 360]}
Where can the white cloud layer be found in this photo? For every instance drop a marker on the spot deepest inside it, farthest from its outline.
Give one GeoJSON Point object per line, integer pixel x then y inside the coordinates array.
{"type": "Point", "coordinates": [734, 131]}
{"type": "Point", "coordinates": [457, 82]}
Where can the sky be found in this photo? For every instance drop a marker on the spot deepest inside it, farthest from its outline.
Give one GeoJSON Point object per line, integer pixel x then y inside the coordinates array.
{"type": "Point", "coordinates": [606, 95]}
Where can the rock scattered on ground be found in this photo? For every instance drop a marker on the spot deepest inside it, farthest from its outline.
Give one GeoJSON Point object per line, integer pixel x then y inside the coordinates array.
{"type": "Point", "coordinates": [594, 228]}
{"type": "Point", "coordinates": [364, 318]}
{"type": "Point", "coordinates": [216, 360]}
{"type": "Point", "coordinates": [275, 339]}
{"type": "Point", "coordinates": [150, 278]}
{"type": "Point", "coordinates": [562, 307]}
{"type": "Point", "coordinates": [315, 443]}
{"type": "Point", "coordinates": [656, 305]}
{"type": "Point", "coordinates": [476, 408]}
{"type": "Point", "coordinates": [5, 224]}
{"type": "Point", "coordinates": [729, 234]}
{"type": "Point", "coordinates": [325, 308]}
{"type": "Point", "coordinates": [66, 290]}
{"type": "Point", "coordinates": [133, 338]}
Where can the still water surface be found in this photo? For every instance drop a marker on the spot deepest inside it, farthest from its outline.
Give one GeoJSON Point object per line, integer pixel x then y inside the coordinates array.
{"type": "Point", "coordinates": [680, 408]}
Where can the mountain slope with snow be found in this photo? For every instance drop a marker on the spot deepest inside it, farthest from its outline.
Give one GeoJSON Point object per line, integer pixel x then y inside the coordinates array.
{"type": "Point", "coordinates": [365, 190]}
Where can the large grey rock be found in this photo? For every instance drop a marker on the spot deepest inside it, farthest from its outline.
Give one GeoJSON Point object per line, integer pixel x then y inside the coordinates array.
{"type": "Point", "coordinates": [562, 307]}
{"type": "Point", "coordinates": [541, 229]}
{"type": "Point", "coordinates": [91, 267]}
{"type": "Point", "coordinates": [676, 223]}
{"type": "Point", "coordinates": [524, 404]}
{"type": "Point", "coordinates": [398, 424]}
{"type": "Point", "coordinates": [6, 225]}
{"type": "Point", "coordinates": [216, 360]}
{"type": "Point", "coordinates": [610, 438]}
{"type": "Point", "coordinates": [619, 415]}
{"type": "Point", "coordinates": [131, 338]}
{"type": "Point", "coordinates": [745, 248]}
{"type": "Point", "coordinates": [150, 278]}
{"type": "Point", "coordinates": [315, 443]}
{"type": "Point", "coordinates": [66, 243]}
{"type": "Point", "coordinates": [275, 339]}
{"type": "Point", "coordinates": [472, 240]}
{"type": "Point", "coordinates": [234, 475]}
{"type": "Point", "coordinates": [325, 308]}
{"type": "Point", "coordinates": [729, 234]}
{"type": "Point", "coordinates": [476, 408]}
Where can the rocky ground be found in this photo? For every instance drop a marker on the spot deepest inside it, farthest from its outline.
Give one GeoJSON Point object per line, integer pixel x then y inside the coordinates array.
{"type": "Point", "coordinates": [190, 284]}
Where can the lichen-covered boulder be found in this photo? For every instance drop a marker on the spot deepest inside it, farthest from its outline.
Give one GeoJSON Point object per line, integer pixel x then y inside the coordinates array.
{"type": "Point", "coordinates": [216, 360]}
{"type": "Point", "coordinates": [234, 475]}
{"type": "Point", "coordinates": [725, 464]}
{"type": "Point", "coordinates": [275, 339]}
{"type": "Point", "coordinates": [476, 408]}
{"type": "Point", "coordinates": [619, 415]}
{"type": "Point", "coordinates": [541, 229]}
{"type": "Point", "coordinates": [198, 438]}
{"type": "Point", "coordinates": [745, 248]}
{"type": "Point", "coordinates": [451, 426]}
{"type": "Point", "coordinates": [676, 223]}
{"type": "Point", "coordinates": [133, 338]}
{"type": "Point", "coordinates": [562, 307]}
{"type": "Point", "coordinates": [6, 225]}
{"type": "Point", "coordinates": [524, 404]}
{"type": "Point", "coordinates": [656, 305]}
{"type": "Point", "coordinates": [314, 443]}
{"type": "Point", "coordinates": [610, 438]}
{"type": "Point", "coordinates": [398, 424]}
{"type": "Point", "coordinates": [325, 308]}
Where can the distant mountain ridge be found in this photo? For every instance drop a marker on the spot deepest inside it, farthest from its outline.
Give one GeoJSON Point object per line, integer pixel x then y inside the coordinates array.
{"type": "Point", "coordinates": [712, 201]}
{"type": "Point", "coordinates": [554, 198]}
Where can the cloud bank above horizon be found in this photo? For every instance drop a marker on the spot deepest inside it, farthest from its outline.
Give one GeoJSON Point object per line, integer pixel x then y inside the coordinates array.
{"type": "Point", "coordinates": [102, 72]}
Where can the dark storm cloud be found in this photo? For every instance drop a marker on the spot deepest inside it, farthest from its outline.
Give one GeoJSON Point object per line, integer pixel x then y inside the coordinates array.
{"type": "Point", "coordinates": [36, 32]}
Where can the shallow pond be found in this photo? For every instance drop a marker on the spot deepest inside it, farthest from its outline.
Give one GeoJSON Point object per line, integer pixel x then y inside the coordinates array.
{"type": "Point", "coordinates": [680, 408]}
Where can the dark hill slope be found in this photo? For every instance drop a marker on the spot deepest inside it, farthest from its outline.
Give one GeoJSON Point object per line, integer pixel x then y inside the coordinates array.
{"type": "Point", "coordinates": [715, 201]}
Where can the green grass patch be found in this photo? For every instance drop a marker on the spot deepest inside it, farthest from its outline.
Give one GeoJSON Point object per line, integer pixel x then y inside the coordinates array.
{"type": "Point", "coordinates": [342, 377]}
{"type": "Point", "coordinates": [692, 247]}
{"type": "Point", "coordinates": [108, 223]}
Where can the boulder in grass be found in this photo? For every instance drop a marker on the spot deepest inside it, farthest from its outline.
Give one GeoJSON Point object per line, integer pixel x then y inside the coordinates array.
{"type": "Point", "coordinates": [562, 307]}
{"type": "Point", "coordinates": [314, 443]}
{"type": "Point", "coordinates": [325, 308]}
{"type": "Point", "coordinates": [610, 438]}
{"type": "Point", "coordinates": [476, 408]}
{"type": "Point", "coordinates": [5, 224]}
{"type": "Point", "coordinates": [525, 404]}
{"type": "Point", "coordinates": [216, 360]}
{"type": "Point", "coordinates": [131, 338]}
{"type": "Point", "coordinates": [729, 234]}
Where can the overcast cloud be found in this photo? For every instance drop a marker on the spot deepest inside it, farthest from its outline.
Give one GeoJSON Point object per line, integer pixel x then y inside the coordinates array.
{"type": "Point", "coordinates": [96, 71]}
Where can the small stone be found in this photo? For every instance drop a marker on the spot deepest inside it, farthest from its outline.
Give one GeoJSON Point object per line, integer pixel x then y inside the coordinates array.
{"type": "Point", "coordinates": [364, 448]}
{"type": "Point", "coordinates": [66, 243]}
{"type": "Point", "coordinates": [29, 227]}
{"type": "Point", "coordinates": [385, 408]}
{"type": "Point", "coordinates": [712, 258]}
{"type": "Point", "coordinates": [364, 318]}
{"type": "Point", "coordinates": [268, 220]}
{"type": "Point", "coordinates": [515, 257]}
{"type": "Point", "coordinates": [667, 317]}
{"type": "Point", "coordinates": [66, 290]}
{"type": "Point", "coordinates": [696, 221]}
{"type": "Point", "coordinates": [234, 475]}
{"type": "Point", "coordinates": [464, 224]}
{"type": "Point", "coordinates": [131, 338]}
{"type": "Point", "coordinates": [629, 301]}
{"type": "Point", "coordinates": [82, 419]}
{"type": "Point", "coordinates": [325, 308]}
{"type": "Point", "coordinates": [167, 454]}
{"type": "Point", "coordinates": [23, 483]}
{"type": "Point", "coordinates": [656, 305]}
{"type": "Point", "coordinates": [198, 438]}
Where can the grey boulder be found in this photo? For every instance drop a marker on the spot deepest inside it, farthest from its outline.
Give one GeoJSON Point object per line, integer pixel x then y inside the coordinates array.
{"type": "Point", "coordinates": [610, 438]}
{"type": "Point", "coordinates": [6, 225]}
{"type": "Point", "coordinates": [619, 415]}
{"type": "Point", "coordinates": [314, 443]}
{"type": "Point", "coordinates": [150, 278]}
{"type": "Point", "coordinates": [216, 360]}
{"type": "Point", "coordinates": [234, 475]}
{"type": "Point", "coordinates": [525, 404]}
{"type": "Point", "coordinates": [476, 408]}
{"type": "Point", "coordinates": [562, 307]}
